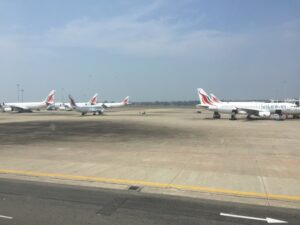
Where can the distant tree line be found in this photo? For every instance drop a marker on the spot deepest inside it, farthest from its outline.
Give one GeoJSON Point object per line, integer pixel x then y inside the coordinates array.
{"type": "Point", "coordinates": [166, 103]}
{"type": "Point", "coordinates": [192, 102]}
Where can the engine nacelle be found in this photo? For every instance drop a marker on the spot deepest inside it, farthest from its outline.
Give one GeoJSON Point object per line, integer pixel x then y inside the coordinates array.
{"type": "Point", "coordinates": [7, 109]}
{"type": "Point", "coordinates": [264, 114]}
{"type": "Point", "coordinates": [225, 109]}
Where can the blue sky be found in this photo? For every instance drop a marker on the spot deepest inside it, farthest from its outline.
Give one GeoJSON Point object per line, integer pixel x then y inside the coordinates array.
{"type": "Point", "coordinates": [150, 50]}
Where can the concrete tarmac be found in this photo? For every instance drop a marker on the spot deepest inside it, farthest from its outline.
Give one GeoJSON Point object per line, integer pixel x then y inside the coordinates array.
{"type": "Point", "coordinates": [174, 147]}
{"type": "Point", "coordinates": [32, 203]}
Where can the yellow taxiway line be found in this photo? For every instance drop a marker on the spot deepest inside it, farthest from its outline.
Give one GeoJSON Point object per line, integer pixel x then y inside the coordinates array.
{"type": "Point", "coordinates": [152, 184]}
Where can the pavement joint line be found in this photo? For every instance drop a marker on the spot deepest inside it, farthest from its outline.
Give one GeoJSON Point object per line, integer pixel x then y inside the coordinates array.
{"type": "Point", "coordinates": [153, 184]}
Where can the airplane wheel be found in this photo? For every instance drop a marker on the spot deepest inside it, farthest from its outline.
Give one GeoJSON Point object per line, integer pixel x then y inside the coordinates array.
{"type": "Point", "coordinates": [233, 116]}
{"type": "Point", "coordinates": [216, 115]}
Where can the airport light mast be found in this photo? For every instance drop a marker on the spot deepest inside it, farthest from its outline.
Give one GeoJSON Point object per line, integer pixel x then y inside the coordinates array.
{"type": "Point", "coordinates": [22, 95]}
{"type": "Point", "coordinates": [18, 92]}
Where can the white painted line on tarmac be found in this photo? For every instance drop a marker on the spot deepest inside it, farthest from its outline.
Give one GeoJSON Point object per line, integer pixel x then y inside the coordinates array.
{"type": "Point", "coordinates": [6, 217]}
{"type": "Point", "coordinates": [267, 219]}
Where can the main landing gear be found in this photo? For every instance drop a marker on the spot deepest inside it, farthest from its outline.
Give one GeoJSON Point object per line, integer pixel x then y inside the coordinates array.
{"type": "Point", "coordinates": [233, 115]}
{"type": "Point", "coordinates": [279, 115]}
{"type": "Point", "coordinates": [216, 115]}
{"type": "Point", "coordinates": [98, 112]}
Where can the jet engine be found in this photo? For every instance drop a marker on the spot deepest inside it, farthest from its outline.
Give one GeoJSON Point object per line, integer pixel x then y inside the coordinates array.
{"type": "Point", "coordinates": [264, 114]}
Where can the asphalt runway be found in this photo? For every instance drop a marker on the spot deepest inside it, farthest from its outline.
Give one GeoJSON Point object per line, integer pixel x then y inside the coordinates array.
{"type": "Point", "coordinates": [33, 203]}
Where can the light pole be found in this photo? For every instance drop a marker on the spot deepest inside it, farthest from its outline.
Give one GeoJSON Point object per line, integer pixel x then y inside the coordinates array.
{"type": "Point", "coordinates": [22, 94]}
{"type": "Point", "coordinates": [62, 95]}
{"type": "Point", "coordinates": [18, 92]}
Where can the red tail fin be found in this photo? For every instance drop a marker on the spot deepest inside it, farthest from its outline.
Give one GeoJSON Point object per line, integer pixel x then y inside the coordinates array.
{"type": "Point", "coordinates": [50, 98]}
{"type": "Point", "coordinates": [214, 98]}
{"type": "Point", "coordinates": [204, 98]}
{"type": "Point", "coordinates": [126, 100]}
{"type": "Point", "coordinates": [93, 100]}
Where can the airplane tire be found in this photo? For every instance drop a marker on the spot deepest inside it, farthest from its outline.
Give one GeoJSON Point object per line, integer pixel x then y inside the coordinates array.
{"type": "Point", "coordinates": [233, 116]}
{"type": "Point", "coordinates": [216, 115]}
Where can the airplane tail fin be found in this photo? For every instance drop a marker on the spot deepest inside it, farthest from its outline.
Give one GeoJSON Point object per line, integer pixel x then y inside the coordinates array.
{"type": "Point", "coordinates": [215, 99]}
{"type": "Point", "coordinates": [72, 101]}
{"type": "Point", "coordinates": [50, 98]}
{"type": "Point", "coordinates": [204, 98]}
{"type": "Point", "coordinates": [126, 101]}
{"type": "Point", "coordinates": [93, 100]}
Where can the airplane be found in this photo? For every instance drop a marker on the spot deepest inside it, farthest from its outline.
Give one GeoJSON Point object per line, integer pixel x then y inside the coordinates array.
{"type": "Point", "coordinates": [294, 110]}
{"type": "Point", "coordinates": [84, 109]}
{"type": "Point", "coordinates": [215, 105]}
{"type": "Point", "coordinates": [68, 107]}
{"type": "Point", "coordinates": [115, 104]}
{"type": "Point", "coordinates": [29, 106]}
{"type": "Point", "coordinates": [259, 109]}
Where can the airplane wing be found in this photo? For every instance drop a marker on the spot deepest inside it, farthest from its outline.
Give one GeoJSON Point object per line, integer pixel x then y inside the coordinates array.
{"type": "Point", "coordinates": [255, 112]}
{"type": "Point", "coordinates": [249, 111]}
{"type": "Point", "coordinates": [104, 106]}
{"type": "Point", "coordinates": [202, 106]}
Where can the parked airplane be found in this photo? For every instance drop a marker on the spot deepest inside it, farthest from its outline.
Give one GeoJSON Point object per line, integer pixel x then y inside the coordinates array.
{"type": "Point", "coordinates": [29, 106]}
{"type": "Point", "coordinates": [88, 108]}
{"type": "Point", "coordinates": [293, 110]}
{"type": "Point", "coordinates": [115, 104]}
{"type": "Point", "coordinates": [259, 109]}
{"type": "Point", "coordinates": [68, 107]}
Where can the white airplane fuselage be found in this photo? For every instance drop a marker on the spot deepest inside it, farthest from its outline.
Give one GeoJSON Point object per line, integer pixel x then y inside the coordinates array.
{"type": "Point", "coordinates": [227, 107]}
{"type": "Point", "coordinates": [89, 109]}
{"type": "Point", "coordinates": [112, 105]}
{"type": "Point", "coordinates": [27, 106]}
{"type": "Point", "coordinates": [264, 109]}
